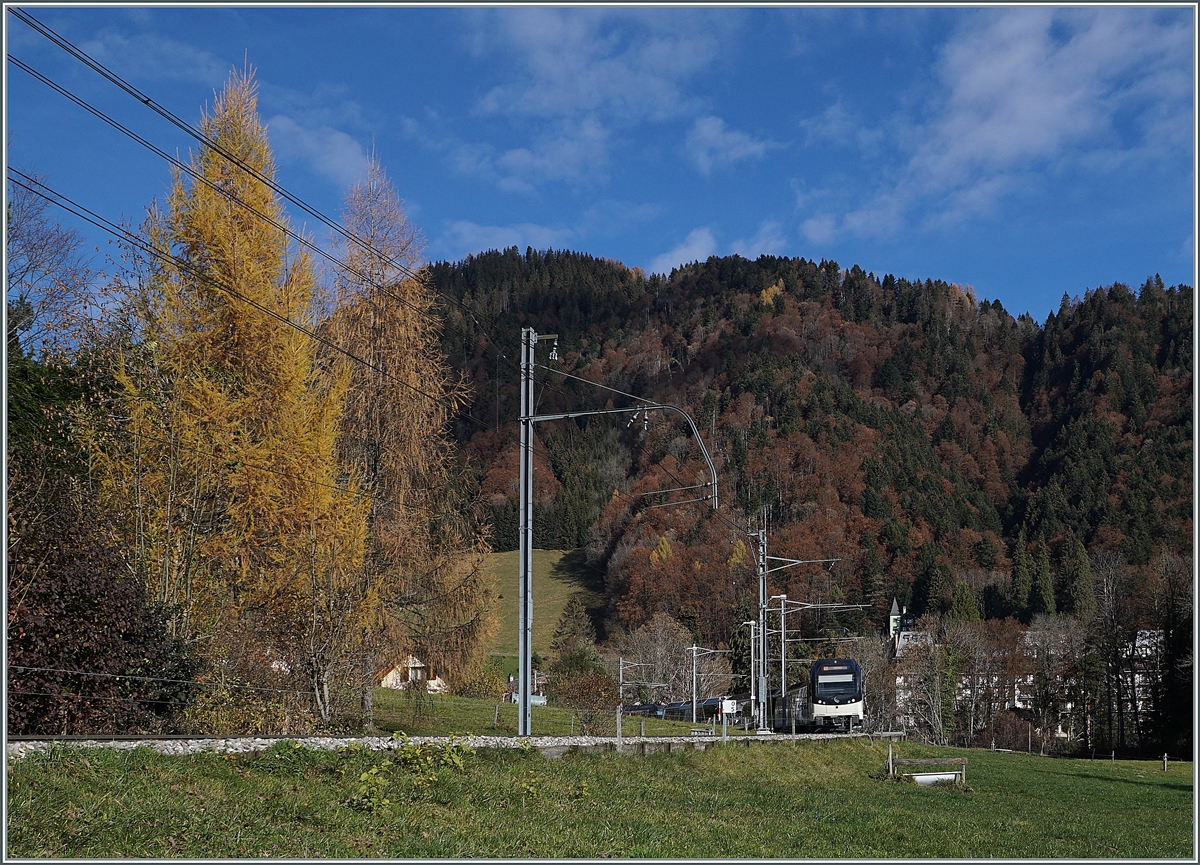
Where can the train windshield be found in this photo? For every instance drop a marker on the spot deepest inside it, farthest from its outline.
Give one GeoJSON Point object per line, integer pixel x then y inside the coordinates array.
{"type": "Point", "coordinates": [835, 684]}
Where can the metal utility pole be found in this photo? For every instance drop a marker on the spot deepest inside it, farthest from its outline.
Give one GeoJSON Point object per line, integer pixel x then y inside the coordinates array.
{"type": "Point", "coordinates": [693, 684]}
{"type": "Point", "coordinates": [762, 624]}
{"type": "Point", "coordinates": [695, 650]}
{"type": "Point", "coordinates": [763, 569]}
{"type": "Point", "coordinates": [529, 341]}
{"type": "Point", "coordinates": [783, 655]}
{"type": "Point", "coordinates": [525, 532]}
{"type": "Point", "coordinates": [752, 625]}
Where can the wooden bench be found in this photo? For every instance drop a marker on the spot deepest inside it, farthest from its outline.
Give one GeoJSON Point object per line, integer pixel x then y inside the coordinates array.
{"type": "Point", "coordinates": [926, 778]}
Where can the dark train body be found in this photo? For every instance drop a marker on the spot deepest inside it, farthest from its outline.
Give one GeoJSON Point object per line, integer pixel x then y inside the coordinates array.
{"type": "Point", "coordinates": [832, 700]}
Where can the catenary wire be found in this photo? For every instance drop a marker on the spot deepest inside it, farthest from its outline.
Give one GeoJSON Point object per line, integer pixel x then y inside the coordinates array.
{"type": "Point", "coordinates": [99, 68]}
{"type": "Point", "coordinates": [80, 55]}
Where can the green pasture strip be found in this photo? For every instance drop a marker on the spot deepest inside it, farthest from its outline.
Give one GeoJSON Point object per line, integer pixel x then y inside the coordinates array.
{"type": "Point", "coordinates": [443, 715]}
{"type": "Point", "coordinates": [557, 574]}
{"type": "Point", "coordinates": [812, 800]}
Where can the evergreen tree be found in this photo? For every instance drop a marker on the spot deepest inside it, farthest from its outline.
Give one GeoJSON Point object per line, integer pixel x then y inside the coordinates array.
{"type": "Point", "coordinates": [1022, 578]}
{"type": "Point", "coordinates": [574, 626]}
{"type": "Point", "coordinates": [963, 606]}
{"type": "Point", "coordinates": [1081, 590]}
{"type": "Point", "coordinates": [745, 610]}
{"type": "Point", "coordinates": [1041, 597]}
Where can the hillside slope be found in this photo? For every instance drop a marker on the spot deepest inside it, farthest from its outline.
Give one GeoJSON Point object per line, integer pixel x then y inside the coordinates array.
{"type": "Point", "coordinates": [905, 427]}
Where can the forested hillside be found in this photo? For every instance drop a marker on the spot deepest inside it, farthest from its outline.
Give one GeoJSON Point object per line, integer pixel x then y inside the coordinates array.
{"type": "Point", "coordinates": [954, 457]}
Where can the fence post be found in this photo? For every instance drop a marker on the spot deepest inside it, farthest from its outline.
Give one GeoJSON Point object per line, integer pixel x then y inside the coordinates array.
{"type": "Point", "coordinates": [496, 717]}
{"type": "Point", "coordinates": [618, 729]}
{"type": "Point", "coordinates": [643, 728]}
{"type": "Point", "coordinates": [1164, 762]}
{"type": "Point", "coordinates": [889, 759]}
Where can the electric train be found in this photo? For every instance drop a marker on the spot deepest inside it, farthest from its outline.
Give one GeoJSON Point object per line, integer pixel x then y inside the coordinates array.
{"type": "Point", "coordinates": [835, 695]}
{"type": "Point", "coordinates": [831, 701]}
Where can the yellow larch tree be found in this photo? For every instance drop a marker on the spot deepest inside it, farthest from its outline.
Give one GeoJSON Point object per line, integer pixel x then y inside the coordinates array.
{"type": "Point", "coordinates": [221, 455]}
{"type": "Point", "coordinates": [427, 551]}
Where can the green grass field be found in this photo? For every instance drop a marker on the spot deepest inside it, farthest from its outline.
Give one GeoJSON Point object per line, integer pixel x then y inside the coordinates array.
{"type": "Point", "coordinates": [557, 574]}
{"type": "Point", "coordinates": [445, 714]}
{"type": "Point", "coordinates": [768, 800]}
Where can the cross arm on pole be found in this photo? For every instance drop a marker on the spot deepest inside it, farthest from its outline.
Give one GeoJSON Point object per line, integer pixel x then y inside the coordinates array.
{"type": "Point", "coordinates": [712, 471]}
{"type": "Point", "coordinates": [791, 563]}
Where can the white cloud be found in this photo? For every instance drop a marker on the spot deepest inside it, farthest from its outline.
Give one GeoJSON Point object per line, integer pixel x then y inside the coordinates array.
{"type": "Point", "coordinates": [709, 143]}
{"type": "Point", "coordinates": [819, 229]}
{"type": "Point", "coordinates": [609, 217]}
{"type": "Point", "coordinates": [626, 66]}
{"type": "Point", "coordinates": [768, 241]}
{"type": "Point", "coordinates": [698, 246]}
{"type": "Point", "coordinates": [326, 150]}
{"type": "Point", "coordinates": [1028, 92]}
{"type": "Point", "coordinates": [463, 238]}
{"type": "Point", "coordinates": [842, 126]}
{"type": "Point", "coordinates": [574, 79]}
{"type": "Point", "coordinates": [153, 57]}
{"type": "Point", "coordinates": [578, 154]}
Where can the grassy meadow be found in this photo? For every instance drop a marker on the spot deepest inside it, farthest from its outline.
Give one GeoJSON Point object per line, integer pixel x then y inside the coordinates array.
{"type": "Point", "coordinates": [446, 714]}
{"type": "Point", "coordinates": [557, 574]}
{"type": "Point", "coordinates": [828, 799]}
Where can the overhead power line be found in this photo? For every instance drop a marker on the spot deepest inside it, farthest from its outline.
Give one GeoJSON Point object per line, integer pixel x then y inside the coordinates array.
{"type": "Point", "coordinates": [175, 120]}
{"type": "Point", "coordinates": [182, 166]}
{"type": "Point", "coordinates": [93, 64]}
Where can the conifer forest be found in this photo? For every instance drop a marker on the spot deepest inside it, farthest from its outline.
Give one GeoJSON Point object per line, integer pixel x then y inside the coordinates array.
{"type": "Point", "coordinates": [246, 477]}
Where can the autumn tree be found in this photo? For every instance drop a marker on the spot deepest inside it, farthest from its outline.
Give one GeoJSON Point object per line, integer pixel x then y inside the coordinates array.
{"type": "Point", "coordinates": [1053, 646]}
{"type": "Point", "coordinates": [426, 554]}
{"type": "Point", "coordinates": [47, 280]}
{"type": "Point", "coordinates": [218, 454]}
{"type": "Point", "coordinates": [663, 646]}
{"type": "Point", "coordinates": [87, 651]}
{"type": "Point", "coordinates": [929, 669]}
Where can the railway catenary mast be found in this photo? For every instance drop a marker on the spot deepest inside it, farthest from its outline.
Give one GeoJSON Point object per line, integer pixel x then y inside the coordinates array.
{"type": "Point", "coordinates": [527, 419]}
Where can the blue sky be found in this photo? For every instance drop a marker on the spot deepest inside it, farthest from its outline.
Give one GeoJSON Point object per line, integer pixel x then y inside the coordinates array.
{"type": "Point", "coordinates": [1026, 151]}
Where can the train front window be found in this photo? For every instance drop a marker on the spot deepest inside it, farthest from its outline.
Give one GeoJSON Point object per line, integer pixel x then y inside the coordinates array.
{"type": "Point", "coordinates": [835, 685]}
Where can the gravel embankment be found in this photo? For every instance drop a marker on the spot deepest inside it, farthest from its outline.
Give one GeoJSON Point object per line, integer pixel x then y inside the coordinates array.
{"type": "Point", "coordinates": [239, 745]}
{"type": "Point", "coordinates": [374, 743]}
